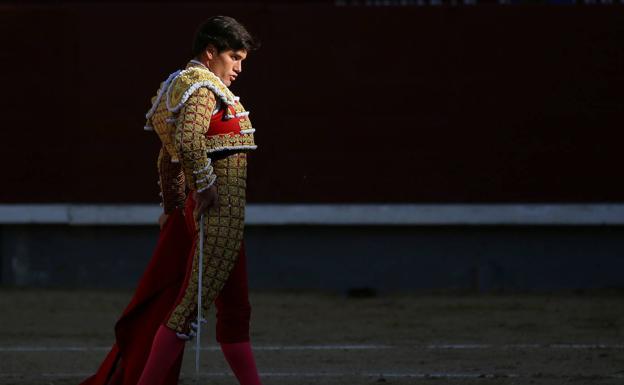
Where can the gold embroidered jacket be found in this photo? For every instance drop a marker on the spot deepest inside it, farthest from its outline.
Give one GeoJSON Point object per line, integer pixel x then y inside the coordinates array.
{"type": "Point", "coordinates": [194, 115]}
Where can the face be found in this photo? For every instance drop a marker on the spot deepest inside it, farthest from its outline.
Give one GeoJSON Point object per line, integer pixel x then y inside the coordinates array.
{"type": "Point", "coordinates": [226, 64]}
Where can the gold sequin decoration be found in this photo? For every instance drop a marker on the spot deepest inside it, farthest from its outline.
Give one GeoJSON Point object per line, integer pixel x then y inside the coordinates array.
{"type": "Point", "coordinates": [230, 142]}
{"type": "Point", "coordinates": [222, 240]}
{"type": "Point", "coordinates": [172, 184]}
{"type": "Point", "coordinates": [165, 128]}
{"type": "Point", "coordinates": [190, 138]}
{"type": "Point", "coordinates": [190, 77]}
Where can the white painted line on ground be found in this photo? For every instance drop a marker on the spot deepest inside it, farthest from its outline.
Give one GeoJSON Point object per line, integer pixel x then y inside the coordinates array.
{"type": "Point", "coordinates": [28, 349]}
{"type": "Point", "coordinates": [586, 346]}
{"type": "Point", "coordinates": [379, 374]}
{"type": "Point", "coordinates": [459, 346]}
{"type": "Point", "coordinates": [15, 349]}
{"type": "Point", "coordinates": [369, 374]}
{"type": "Point", "coordinates": [524, 346]}
{"type": "Point", "coordinates": [18, 349]}
{"type": "Point", "coordinates": [323, 347]}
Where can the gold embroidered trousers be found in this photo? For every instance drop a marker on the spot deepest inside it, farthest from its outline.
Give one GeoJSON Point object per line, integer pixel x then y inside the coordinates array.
{"type": "Point", "coordinates": [223, 226]}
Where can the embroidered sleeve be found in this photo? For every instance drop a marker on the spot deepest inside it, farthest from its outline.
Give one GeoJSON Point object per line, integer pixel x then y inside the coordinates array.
{"type": "Point", "coordinates": [171, 181]}
{"type": "Point", "coordinates": [190, 139]}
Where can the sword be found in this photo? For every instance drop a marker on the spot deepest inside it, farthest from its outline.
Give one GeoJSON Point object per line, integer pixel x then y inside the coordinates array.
{"type": "Point", "coordinates": [199, 292]}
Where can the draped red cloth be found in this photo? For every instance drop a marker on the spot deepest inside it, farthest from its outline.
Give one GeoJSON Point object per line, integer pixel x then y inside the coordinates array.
{"type": "Point", "coordinates": [155, 295]}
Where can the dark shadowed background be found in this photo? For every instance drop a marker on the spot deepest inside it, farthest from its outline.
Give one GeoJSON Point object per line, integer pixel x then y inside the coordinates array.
{"type": "Point", "coordinates": [486, 103]}
{"type": "Point", "coordinates": [480, 142]}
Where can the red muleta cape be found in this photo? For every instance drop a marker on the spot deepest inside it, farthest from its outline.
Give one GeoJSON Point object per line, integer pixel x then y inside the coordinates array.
{"type": "Point", "coordinates": [152, 301]}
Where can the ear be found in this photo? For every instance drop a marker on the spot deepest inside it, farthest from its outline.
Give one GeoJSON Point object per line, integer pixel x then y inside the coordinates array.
{"type": "Point", "coordinates": [210, 52]}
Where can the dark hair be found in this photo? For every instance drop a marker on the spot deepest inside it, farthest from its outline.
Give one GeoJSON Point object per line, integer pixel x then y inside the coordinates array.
{"type": "Point", "coordinates": [224, 33]}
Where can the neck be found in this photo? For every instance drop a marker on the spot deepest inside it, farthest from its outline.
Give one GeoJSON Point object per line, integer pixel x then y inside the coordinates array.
{"type": "Point", "coordinates": [195, 61]}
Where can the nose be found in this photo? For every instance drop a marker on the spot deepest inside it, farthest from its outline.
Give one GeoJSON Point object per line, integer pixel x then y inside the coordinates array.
{"type": "Point", "coordinates": [238, 67]}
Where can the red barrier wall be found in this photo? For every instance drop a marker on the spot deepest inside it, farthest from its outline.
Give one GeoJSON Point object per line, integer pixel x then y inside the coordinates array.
{"type": "Point", "coordinates": [351, 104]}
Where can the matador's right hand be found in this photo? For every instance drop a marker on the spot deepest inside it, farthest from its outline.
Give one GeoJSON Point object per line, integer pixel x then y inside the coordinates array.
{"type": "Point", "coordinates": [205, 200]}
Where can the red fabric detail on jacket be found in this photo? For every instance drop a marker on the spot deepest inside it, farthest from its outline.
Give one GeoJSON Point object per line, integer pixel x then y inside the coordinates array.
{"type": "Point", "coordinates": [219, 125]}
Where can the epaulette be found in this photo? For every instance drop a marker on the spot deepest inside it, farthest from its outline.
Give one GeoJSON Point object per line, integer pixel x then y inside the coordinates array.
{"type": "Point", "coordinates": [187, 81]}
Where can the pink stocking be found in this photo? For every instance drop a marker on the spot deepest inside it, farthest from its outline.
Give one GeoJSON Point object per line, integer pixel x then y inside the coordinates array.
{"type": "Point", "coordinates": [166, 349]}
{"type": "Point", "coordinates": [241, 360]}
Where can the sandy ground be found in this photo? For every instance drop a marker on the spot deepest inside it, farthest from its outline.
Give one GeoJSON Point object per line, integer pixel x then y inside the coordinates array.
{"type": "Point", "coordinates": [60, 337]}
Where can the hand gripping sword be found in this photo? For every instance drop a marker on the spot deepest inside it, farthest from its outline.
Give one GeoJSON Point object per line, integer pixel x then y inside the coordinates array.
{"type": "Point", "coordinates": [199, 292]}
